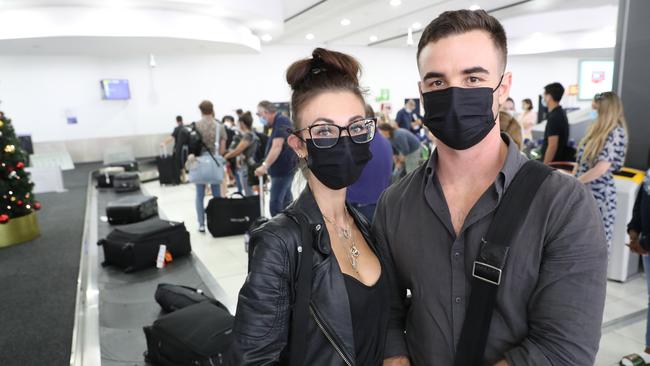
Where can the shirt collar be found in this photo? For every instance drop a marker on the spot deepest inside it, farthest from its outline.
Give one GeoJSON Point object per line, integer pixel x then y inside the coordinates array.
{"type": "Point", "coordinates": [514, 161]}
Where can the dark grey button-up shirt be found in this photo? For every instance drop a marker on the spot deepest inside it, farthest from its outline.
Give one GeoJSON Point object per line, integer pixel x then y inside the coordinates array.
{"type": "Point", "coordinates": [550, 303]}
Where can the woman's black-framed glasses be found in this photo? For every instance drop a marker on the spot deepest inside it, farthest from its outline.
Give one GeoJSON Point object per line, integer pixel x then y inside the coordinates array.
{"type": "Point", "coordinates": [325, 135]}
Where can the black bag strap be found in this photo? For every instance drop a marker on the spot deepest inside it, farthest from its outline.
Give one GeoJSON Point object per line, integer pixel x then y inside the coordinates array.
{"type": "Point", "coordinates": [490, 262]}
{"type": "Point", "coordinates": [206, 146]}
{"type": "Point", "coordinates": [302, 298]}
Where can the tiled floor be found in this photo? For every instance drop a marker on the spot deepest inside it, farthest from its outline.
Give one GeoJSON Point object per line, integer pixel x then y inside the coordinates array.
{"type": "Point", "coordinates": [226, 260]}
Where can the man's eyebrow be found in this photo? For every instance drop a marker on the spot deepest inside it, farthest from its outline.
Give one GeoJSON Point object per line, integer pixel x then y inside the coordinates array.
{"type": "Point", "coordinates": [433, 74]}
{"type": "Point", "coordinates": [476, 70]}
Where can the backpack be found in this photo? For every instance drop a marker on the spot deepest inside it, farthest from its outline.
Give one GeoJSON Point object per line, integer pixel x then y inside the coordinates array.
{"type": "Point", "coordinates": [260, 153]}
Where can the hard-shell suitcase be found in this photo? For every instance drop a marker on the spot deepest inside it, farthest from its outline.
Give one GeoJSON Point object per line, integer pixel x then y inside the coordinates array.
{"type": "Point", "coordinates": [197, 335]}
{"type": "Point", "coordinates": [135, 246]}
{"type": "Point", "coordinates": [175, 297]}
{"type": "Point", "coordinates": [131, 209]}
{"type": "Point", "coordinates": [106, 176]}
{"type": "Point", "coordinates": [126, 182]}
{"type": "Point", "coordinates": [231, 216]}
{"type": "Point", "coordinates": [129, 166]}
{"type": "Point", "coordinates": [261, 220]}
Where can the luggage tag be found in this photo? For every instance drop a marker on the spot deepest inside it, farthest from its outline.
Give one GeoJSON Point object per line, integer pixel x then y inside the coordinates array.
{"type": "Point", "coordinates": [160, 261]}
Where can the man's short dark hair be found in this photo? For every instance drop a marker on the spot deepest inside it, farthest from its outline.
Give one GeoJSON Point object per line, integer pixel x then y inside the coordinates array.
{"type": "Point", "coordinates": [458, 22]}
{"type": "Point", "coordinates": [179, 118]}
{"type": "Point", "coordinates": [268, 106]}
{"type": "Point", "coordinates": [228, 118]}
{"type": "Point", "coordinates": [206, 107]}
{"type": "Point", "coordinates": [555, 90]}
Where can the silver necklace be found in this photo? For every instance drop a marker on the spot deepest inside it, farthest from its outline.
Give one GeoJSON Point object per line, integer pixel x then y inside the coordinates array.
{"type": "Point", "coordinates": [346, 233]}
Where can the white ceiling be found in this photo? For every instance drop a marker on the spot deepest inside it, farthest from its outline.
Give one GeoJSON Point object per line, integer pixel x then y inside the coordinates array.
{"type": "Point", "coordinates": [288, 21]}
{"type": "Point", "coordinates": [390, 24]}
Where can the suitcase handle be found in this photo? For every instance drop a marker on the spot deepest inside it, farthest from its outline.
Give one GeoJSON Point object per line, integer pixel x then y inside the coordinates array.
{"type": "Point", "coordinates": [262, 198]}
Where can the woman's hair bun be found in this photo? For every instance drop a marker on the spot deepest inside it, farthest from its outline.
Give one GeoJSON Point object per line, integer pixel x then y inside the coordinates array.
{"type": "Point", "coordinates": [324, 64]}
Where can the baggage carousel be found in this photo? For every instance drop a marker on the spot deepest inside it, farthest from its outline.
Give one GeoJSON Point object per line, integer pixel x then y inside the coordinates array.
{"type": "Point", "coordinates": [113, 306]}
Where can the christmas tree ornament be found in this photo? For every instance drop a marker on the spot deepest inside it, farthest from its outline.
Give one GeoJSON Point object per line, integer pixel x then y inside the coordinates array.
{"type": "Point", "coordinates": [20, 165]}
{"type": "Point", "coordinates": [28, 207]}
{"type": "Point", "coordinates": [9, 149]}
{"type": "Point", "coordinates": [37, 205]}
{"type": "Point", "coordinates": [27, 195]}
{"type": "Point", "coordinates": [13, 175]}
{"type": "Point", "coordinates": [13, 199]}
{"type": "Point", "coordinates": [19, 203]}
{"type": "Point", "coordinates": [1, 123]}
{"type": "Point", "coordinates": [4, 219]}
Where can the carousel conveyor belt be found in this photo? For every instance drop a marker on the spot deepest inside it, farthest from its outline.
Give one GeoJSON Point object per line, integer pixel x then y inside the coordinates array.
{"type": "Point", "coordinates": [114, 306]}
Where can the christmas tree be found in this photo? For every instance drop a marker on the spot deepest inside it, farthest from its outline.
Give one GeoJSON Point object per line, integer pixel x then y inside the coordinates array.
{"type": "Point", "coordinates": [16, 198]}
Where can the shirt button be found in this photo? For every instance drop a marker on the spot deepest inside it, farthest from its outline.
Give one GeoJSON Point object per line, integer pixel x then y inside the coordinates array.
{"type": "Point", "coordinates": [458, 300]}
{"type": "Point", "coordinates": [457, 255]}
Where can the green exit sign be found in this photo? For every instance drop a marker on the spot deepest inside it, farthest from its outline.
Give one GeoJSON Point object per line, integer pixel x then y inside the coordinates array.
{"type": "Point", "coordinates": [384, 95]}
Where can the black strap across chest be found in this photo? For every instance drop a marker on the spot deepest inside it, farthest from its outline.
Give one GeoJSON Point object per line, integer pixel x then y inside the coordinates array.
{"type": "Point", "coordinates": [487, 271]}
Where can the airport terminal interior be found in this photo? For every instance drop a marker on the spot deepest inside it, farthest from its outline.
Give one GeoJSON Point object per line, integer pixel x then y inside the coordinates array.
{"type": "Point", "coordinates": [118, 220]}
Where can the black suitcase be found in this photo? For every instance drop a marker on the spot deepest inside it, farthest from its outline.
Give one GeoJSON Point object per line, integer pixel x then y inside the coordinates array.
{"type": "Point", "coordinates": [129, 166]}
{"type": "Point", "coordinates": [175, 297]}
{"type": "Point", "coordinates": [168, 170]}
{"type": "Point", "coordinates": [126, 182]}
{"type": "Point", "coordinates": [135, 246]}
{"type": "Point", "coordinates": [131, 209]}
{"type": "Point", "coordinates": [106, 176]}
{"type": "Point", "coordinates": [232, 216]}
{"type": "Point", "coordinates": [197, 335]}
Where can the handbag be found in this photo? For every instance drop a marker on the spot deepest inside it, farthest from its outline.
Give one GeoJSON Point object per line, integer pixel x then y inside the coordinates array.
{"type": "Point", "coordinates": [232, 216]}
{"type": "Point", "coordinates": [208, 169]}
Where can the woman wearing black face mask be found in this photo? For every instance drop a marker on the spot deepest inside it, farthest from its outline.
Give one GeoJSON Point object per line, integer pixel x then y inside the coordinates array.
{"type": "Point", "coordinates": [346, 319]}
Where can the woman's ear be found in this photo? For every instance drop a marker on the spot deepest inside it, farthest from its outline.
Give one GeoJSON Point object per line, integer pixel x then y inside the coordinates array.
{"type": "Point", "coordinates": [297, 145]}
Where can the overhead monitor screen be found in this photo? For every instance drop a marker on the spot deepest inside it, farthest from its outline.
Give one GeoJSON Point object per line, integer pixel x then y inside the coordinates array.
{"type": "Point", "coordinates": [595, 77]}
{"type": "Point", "coordinates": [115, 89]}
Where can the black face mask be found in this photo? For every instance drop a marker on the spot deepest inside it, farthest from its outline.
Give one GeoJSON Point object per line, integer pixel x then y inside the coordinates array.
{"type": "Point", "coordinates": [459, 117]}
{"type": "Point", "coordinates": [340, 165]}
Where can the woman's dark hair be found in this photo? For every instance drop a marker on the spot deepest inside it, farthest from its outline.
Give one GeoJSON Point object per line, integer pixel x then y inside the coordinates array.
{"type": "Point", "coordinates": [227, 118]}
{"type": "Point", "coordinates": [325, 71]}
{"type": "Point", "coordinates": [529, 103]}
{"type": "Point", "coordinates": [247, 120]}
{"type": "Point", "coordinates": [370, 113]}
{"type": "Point", "coordinates": [387, 127]}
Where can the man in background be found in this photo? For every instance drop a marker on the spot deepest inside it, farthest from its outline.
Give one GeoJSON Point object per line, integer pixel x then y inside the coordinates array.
{"type": "Point", "coordinates": [407, 115]}
{"type": "Point", "coordinates": [181, 138]}
{"type": "Point", "coordinates": [279, 162]}
{"type": "Point", "coordinates": [556, 135]}
{"type": "Point", "coordinates": [376, 177]}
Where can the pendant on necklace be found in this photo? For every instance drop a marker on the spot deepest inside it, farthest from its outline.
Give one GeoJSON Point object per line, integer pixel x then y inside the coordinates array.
{"type": "Point", "coordinates": [345, 233]}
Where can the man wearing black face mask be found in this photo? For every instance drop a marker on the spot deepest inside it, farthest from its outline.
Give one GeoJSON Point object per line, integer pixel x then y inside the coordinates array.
{"type": "Point", "coordinates": [544, 285]}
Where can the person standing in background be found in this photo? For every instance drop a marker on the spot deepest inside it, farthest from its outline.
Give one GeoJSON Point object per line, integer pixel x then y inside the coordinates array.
{"type": "Point", "coordinates": [556, 135]}
{"type": "Point", "coordinates": [181, 138]}
{"type": "Point", "coordinates": [233, 140]}
{"type": "Point", "coordinates": [405, 144]}
{"type": "Point", "coordinates": [280, 161]}
{"type": "Point", "coordinates": [364, 193]}
{"type": "Point", "coordinates": [602, 152]}
{"type": "Point", "coordinates": [509, 125]}
{"type": "Point", "coordinates": [509, 107]}
{"type": "Point", "coordinates": [407, 115]}
{"type": "Point", "coordinates": [639, 231]}
{"type": "Point", "coordinates": [207, 128]}
{"type": "Point", "coordinates": [244, 152]}
{"type": "Point", "coordinates": [527, 118]}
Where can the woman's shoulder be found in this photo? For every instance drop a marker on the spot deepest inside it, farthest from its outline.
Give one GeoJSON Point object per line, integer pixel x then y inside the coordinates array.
{"type": "Point", "coordinates": [281, 229]}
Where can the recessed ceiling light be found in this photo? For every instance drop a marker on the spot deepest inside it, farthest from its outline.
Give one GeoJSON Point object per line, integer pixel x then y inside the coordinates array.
{"type": "Point", "coordinates": [416, 25]}
{"type": "Point", "coordinates": [395, 2]}
{"type": "Point", "coordinates": [345, 22]}
{"type": "Point", "coordinates": [309, 36]}
{"type": "Point", "coordinates": [373, 38]}
{"type": "Point", "coordinates": [474, 7]}
{"type": "Point", "coordinates": [266, 38]}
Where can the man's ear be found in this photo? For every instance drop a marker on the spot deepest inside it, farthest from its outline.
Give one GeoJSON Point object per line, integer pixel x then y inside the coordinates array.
{"type": "Point", "coordinates": [504, 88]}
{"type": "Point", "coordinates": [420, 91]}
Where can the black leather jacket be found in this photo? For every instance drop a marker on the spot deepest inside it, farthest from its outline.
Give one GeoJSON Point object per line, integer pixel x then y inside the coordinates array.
{"type": "Point", "coordinates": [262, 322]}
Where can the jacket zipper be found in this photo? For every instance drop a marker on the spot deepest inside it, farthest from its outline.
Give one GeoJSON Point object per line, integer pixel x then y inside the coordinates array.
{"type": "Point", "coordinates": [328, 336]}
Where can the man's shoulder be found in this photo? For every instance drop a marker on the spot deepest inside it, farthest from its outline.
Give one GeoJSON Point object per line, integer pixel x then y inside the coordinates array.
{"type": "Point", "coordinates": [562, 190]}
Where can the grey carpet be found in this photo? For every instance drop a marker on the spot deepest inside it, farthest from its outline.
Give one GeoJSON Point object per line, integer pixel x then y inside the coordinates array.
{"type": "Point", "coordinates": [38, 280]}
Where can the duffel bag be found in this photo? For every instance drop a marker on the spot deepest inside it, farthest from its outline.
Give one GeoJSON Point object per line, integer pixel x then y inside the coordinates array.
{"type": "Point", "coordinates": [198, 335]}
{"type": "Point", "coordinates": [232, 216]}
{"type": "Point", "coordinates": [175, 297]}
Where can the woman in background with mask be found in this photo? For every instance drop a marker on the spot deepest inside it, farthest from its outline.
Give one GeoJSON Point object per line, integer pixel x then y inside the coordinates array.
{"type": "Point", "coordinates": [527, 118]}
{"type": "Point", "coordinates": [348, 313]}
{"type": "Point", "coordinates": [602, 152]}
